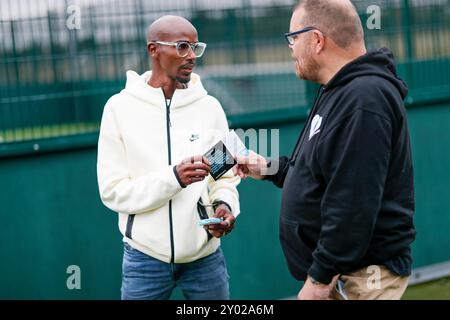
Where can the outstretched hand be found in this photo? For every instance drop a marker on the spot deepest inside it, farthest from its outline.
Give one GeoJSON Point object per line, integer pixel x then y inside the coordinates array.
{"type": "Point", "coordinates": [253, 166]}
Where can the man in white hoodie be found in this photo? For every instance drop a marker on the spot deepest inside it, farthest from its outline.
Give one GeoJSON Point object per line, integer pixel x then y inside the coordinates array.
{"type": "Point", "coordinates": [151, 171]}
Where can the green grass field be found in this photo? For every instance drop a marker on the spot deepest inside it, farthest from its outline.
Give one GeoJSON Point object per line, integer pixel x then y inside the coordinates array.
{"type": "Point", "coordinates": [434, 290]}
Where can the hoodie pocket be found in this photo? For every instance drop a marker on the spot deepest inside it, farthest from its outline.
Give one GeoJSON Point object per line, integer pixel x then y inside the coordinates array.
{"type": "Point", "coordinates": [203, 214]}
{"type": "Point", "coordinates": [297, 253]}
{"type": "Point", "coordinates": [129, 226]}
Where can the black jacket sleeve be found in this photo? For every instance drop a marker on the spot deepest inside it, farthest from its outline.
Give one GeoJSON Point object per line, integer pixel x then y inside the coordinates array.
{"type": "Point", "coordinates": [354, 159]}
{"type": "Point", "coordinates": [278, 178]}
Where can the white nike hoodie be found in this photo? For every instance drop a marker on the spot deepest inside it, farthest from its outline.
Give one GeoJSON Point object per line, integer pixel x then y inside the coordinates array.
{"type": "Point", "coordinates": [140, 142]}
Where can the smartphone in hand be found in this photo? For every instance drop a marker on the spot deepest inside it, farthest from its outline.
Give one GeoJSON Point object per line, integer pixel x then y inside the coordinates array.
{"type": "Point", "coordinates": [205, 222]}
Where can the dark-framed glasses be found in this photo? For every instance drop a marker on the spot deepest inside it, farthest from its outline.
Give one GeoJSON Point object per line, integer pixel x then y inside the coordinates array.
{"type": "Point", "coordinates": [290, 36]}
{"type": "Point", "coordinates": [183, 47]}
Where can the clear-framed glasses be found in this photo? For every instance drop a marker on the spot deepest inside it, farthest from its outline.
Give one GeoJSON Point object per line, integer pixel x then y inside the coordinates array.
{"type": "Point", "coordinates": [290, 36]}
{"type": "Point", "coordinates": [183, 47]}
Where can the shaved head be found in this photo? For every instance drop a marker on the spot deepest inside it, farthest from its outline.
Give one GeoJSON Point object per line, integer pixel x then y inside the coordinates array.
{"type": "Point", "coordinates": [338, 19]}
{"type": "Point", "coordinates": [163, 37]}
{"type": "Point", "coordinates": [168, 27]}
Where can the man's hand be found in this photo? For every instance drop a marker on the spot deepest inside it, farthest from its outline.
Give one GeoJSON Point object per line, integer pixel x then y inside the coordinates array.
{"type": "Point", "coordinates": [311, 291]}
{"type": "Point", "coordinates": [254, 166]}
{"type": "Point", "coordinates": [225, 227]}
{"type": "Point", "coordinates": [193, 169]}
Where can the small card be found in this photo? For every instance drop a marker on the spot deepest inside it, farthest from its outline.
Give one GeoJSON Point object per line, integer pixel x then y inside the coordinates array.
{"type": "Point", "coordinates": [222, 154]}
{"type": "Point", "coordinates": [221, 160]}
{"type": "Point", "coordinates": [235, 144]}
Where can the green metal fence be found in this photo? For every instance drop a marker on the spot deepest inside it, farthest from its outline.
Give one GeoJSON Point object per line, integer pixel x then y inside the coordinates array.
{"type": "Point", "coordinates": [60, 60]}
{"type": "Point", "coordinates": [54, 82]}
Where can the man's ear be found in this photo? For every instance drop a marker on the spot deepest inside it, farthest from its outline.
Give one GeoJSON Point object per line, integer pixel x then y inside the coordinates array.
{"type": "Point", "coordinates": [152, 50]}
{"type": "Point", "coordinates": [319, 41]}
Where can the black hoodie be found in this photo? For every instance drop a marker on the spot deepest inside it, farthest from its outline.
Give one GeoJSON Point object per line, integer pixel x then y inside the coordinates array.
{"type": "Point", "coordinates": [348, 195]}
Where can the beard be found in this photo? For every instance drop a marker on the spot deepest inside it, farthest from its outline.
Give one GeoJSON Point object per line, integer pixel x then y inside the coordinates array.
{"type": "Point", "coordinates": [308, 69]}
{"type": "Point", "coordinates": [183, 80]}
{"type": "Point", "coordinates": [183, 75]}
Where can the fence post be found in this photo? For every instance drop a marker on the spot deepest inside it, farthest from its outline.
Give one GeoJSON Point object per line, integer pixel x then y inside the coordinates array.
{"type": "Point", "coordinates": [52, 46]}
{"type": "Point", "coordinates": [248, 32]}
{"type": "Point", "coordinates": [408, 40]}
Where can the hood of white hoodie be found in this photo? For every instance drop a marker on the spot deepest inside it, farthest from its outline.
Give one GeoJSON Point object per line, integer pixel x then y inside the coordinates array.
{"type": "Point", "coordinates": [138, 87]}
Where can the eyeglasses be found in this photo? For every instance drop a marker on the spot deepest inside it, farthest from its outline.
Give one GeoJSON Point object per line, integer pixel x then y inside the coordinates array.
{"type": "Point", "coordinates": [290, 36]}
{"type": "Point", "coordinates": [183, 47]}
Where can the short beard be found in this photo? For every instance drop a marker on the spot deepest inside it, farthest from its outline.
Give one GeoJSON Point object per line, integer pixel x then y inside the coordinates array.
{"type": "Point", "coordinates": [183, 80]}
{"type": "Point", "coordinates": [310, 70]}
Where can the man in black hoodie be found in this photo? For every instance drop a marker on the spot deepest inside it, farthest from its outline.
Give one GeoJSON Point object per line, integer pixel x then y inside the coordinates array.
{"type": "Point", "coordinates": [346, 222]}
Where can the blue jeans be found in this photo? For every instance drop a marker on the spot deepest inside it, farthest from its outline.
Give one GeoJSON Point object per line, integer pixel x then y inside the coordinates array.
{"type": "Point", "coordinates": [146, 278]}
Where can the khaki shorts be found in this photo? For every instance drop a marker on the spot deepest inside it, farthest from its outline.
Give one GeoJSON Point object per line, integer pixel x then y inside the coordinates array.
{"type": "Point", "coordinates": [371, 283]}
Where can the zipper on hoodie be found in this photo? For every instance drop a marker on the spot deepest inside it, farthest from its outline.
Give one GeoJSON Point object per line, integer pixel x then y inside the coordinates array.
{"type": "Point", "coordinates": [169, 157]}
{"type": "Point", "coordinates": [307, 124]}
{"type": "Point", "coordinates": [168, 113]}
